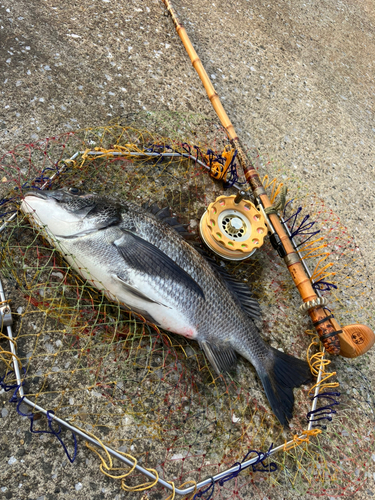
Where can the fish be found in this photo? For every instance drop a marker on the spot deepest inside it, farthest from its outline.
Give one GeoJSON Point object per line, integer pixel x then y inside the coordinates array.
{"type": "Point", "coordinates": [138, 257]}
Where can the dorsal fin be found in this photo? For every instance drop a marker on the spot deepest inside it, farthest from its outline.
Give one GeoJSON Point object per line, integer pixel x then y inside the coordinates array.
{"type": "Point", "coordinates": [164, 214]}
{"type": "Point", "coordinates": [172, 221]}
{"type": "Point", "coordinates": [239, 289]}
{"type": "Point", "coordinates": [151, 207]}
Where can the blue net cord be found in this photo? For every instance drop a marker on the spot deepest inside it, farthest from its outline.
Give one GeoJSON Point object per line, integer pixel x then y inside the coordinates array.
{"type": "Point", "coordinates": [272, 467]}
{"type": "Point", "coordinates": [324, 412]}
{"type": "Point", "coordinates": [161, 148]}
{"type": "Point", "coordinates": [16, 399]}
{"type": "Point", "coordinates": [52, 431]}
{"type": "Point", "coordinates": [4, 201]}
{"type": "Point", "coordinates": [303, 229]}
{"type": "Point", "coordinates": [195, 151]}
{"type": "Point", "coordinates": [40, 179]}
{"type": "Point", "coordinates": [203, 492]}
{"type": "Point", "coordinates": [8, 387]}
{"type": "Point", "coordinates": [233, 175]}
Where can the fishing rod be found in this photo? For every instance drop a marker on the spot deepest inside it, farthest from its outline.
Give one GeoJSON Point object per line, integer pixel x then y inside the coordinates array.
{"type": "Point", "coordinates": [349, 341]}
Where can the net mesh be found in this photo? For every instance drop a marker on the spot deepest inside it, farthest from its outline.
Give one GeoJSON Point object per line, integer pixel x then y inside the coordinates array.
{"type": "Point", "coordinates": [152, 394]}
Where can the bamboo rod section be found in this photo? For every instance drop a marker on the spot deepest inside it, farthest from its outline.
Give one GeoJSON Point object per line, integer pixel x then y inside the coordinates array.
{"type": "Point", "coordinates": [198, 66]}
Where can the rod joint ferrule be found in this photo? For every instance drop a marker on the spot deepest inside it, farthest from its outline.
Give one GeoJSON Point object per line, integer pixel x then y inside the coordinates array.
{"type": "Point", "coordinates": [291, 259]}
{"type": "Point", "coordinates": [311, 304]}
{"type": "Point", "coordinates": [259, 191]}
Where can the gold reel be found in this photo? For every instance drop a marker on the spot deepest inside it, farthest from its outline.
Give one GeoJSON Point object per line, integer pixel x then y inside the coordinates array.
{"type": "Point", "coordinates": [233, 230]}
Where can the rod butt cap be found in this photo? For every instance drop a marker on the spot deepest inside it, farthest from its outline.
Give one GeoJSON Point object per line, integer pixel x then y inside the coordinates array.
{"type": "Point", "coordinates": [355, 340]}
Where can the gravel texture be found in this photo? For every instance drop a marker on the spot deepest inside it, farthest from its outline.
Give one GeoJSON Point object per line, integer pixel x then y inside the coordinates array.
{"type": "Point", "coordinates": [296, 79]}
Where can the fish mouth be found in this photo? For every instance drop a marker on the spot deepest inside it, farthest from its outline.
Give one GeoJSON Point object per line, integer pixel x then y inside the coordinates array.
{"type": "Point", "coordinates": [58, 195]}
{"type": "Point", "coordinates": [45, 195]}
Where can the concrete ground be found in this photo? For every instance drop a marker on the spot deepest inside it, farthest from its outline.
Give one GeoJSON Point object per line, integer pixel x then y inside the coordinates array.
{"type": "Point", "coordinates": [296, 79]}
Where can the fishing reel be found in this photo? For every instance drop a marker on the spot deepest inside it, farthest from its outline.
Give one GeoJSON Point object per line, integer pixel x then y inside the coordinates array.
{"type": "Point", "coordinates": [233, 228]}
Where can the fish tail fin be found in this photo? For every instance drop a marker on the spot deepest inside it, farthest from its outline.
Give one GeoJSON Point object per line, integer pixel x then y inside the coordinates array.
{"type": "Point", "coordinates": [284, 373]}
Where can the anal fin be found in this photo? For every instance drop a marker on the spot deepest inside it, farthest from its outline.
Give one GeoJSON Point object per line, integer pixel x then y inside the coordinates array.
{"type": "Point", "coordinates": [221, 358]}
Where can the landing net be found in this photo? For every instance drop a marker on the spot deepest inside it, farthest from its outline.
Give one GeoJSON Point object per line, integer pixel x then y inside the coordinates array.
{"type": "Point", "coordinates": [152, 394]}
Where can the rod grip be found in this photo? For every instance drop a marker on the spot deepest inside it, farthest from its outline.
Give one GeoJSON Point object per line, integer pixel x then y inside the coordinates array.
{"type": "Point", "coordinates": [328, 334]}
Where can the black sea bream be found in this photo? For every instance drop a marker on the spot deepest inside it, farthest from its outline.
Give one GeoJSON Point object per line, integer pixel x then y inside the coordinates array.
{"type": "Point", "coordinates": [144, 263]}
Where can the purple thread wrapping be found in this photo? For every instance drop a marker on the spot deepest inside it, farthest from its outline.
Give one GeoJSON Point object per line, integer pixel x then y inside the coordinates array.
{"type": "Point", "coordinates": [272, 467]}
{"type": "Point", "coordinates": [323, 286]}
{"type": "Point", "coordinates": [324, 412]}
{"type": "Point", "coordinates": [303, 228]}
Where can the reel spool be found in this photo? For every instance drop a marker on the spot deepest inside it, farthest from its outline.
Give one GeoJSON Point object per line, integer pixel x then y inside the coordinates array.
{"type": "Point", "coordinates": [233, 230]}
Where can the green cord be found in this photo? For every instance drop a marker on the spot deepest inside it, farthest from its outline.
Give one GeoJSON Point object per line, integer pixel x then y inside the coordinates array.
{"type": "Point", "coordinates": [276, 207]}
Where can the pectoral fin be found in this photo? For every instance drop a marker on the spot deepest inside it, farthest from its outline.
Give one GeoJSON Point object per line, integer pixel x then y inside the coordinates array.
{"type": "Point", "coordinates": [142, 256]}
{"type": "Point", "coordinates": [132, 290]}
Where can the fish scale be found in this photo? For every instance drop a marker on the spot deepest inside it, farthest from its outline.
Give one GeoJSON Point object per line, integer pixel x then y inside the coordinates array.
{"type": "Point", "coordinates": [228, 314]}
{"type": "Point", "coordinates": [229, 319]}
{"type": "Point", "coordinates": [141, 261]}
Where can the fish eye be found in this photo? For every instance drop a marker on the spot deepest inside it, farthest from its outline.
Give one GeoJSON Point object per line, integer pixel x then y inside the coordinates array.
{"type": "Point", "coordinates": [74, 190]}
